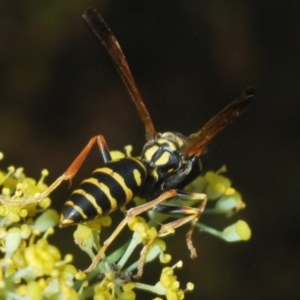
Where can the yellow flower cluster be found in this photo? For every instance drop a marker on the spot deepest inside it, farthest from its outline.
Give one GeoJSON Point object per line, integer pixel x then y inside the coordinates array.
{"type": "Point", "coordinates": [149, 237]}
{"type": "Point", "coordinates": [168, 285]}
{"type": "Point", "coordinates": [227, 200]}
{"type": "Point", "coordinates": [16, 187]}
{"type": "Point", "coordinates": [169, 281]}
{"type": "Point", "coordinates": [218, 189]}
{"type": "Point", "coordinates": [139, 225]}
{"type": "Point", "coordinates": [113, 286]}
{"type": "Point", "coordinates": [30, 267]}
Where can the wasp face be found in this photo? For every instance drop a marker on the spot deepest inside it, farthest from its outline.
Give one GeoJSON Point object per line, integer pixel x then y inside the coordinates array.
{"type": "Point", "coordinates": [163, 155]}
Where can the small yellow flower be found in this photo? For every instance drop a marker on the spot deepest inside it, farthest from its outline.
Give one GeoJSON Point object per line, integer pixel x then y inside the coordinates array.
{"type": "Point", "coordinates": [139, 225]}
{"type": "Point", "coordinates": [42, 257]}
{"type": "Point", "coordinates": [128, 293]}
{"type": "Point", "coordinates": [34, 291]}
{"type": "Point", "coordinates": [230, 204]}
{"type": "Point", "coordinates": [83, 237]}
{"type": "Point", "coordinates": [25, 231]}
{"type": "Point", "coordinates": [217, 185]}
{"type": "Point", "coordinates": [169, 281]}
{"type": "Point", "coordinates": [237, 232]}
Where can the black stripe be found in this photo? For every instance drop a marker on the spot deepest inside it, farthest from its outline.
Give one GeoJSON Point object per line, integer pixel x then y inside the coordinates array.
{"type": "Point", "coordinates": [86, 206]}
{"type": "Point", "coordinates": [102, 200]}
{"type": "Point", "coordinates": [125, 168]}
{"type": "Point", "coordinates": [70, 213]}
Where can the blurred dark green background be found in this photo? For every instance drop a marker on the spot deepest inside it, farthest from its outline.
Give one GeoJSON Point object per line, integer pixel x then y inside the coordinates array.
{"type": "Point", "coordinates": [189, 59]}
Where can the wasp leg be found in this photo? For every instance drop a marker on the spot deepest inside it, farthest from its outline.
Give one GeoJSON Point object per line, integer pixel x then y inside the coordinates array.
{"type": "Point", "coordinates": [192, 215]}
{"type": "Point", "coordinates": [142, 260]}
{"type": "Point", "coordinates": [68, 174]}
{"type": "Point", "coordinates": [133, 212]}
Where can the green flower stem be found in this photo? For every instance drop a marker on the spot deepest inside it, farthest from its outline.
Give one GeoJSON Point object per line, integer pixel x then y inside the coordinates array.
{"type": "Point", "coordinates": [209, 230]}
{"type": "Point", "coordinates": [131, 247]}
{"type": "Point", "coordinates": [149, 288]}
{"type": "Point", "coordinates": [118, 253]}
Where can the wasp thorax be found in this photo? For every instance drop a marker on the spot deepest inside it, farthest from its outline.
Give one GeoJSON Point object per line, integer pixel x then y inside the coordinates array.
{"type": "Point", "coordinates": [163, 155]}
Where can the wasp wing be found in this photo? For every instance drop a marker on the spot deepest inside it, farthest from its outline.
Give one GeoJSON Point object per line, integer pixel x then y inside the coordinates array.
{"type": "Point", "coordinates": [199, 140]}
{"type": "Point", "coordinates": [109, 41]}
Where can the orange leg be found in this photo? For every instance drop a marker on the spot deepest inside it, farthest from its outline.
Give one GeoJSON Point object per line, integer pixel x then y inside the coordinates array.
{"type": "Point", "coordinates": [192, 215]}
{"type": "Point", "coordinates": [68, 174]}
{"type": "Point", "coordinates": [142, 260]}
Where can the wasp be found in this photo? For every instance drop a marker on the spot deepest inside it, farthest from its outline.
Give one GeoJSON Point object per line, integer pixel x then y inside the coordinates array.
{"type": "Point", "coordinates": [167, 163]}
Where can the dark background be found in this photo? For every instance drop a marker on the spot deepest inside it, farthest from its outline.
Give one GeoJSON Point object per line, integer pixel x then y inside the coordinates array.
{"type": "Point", "coordinates": [190, 59]}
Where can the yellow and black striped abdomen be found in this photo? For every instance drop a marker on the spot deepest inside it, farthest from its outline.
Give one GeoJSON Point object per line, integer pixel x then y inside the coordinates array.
{"type": "Point", "coordinates": [109, 188]}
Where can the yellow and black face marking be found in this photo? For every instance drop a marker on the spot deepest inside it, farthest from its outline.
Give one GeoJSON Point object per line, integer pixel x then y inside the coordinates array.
{"type": "Point", "coordinates": [162, 156]}
{"type": "Point", "coordinates": [168, 160]}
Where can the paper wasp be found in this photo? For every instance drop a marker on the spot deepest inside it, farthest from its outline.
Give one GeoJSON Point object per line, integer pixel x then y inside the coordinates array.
{"type": "Point", "coordinates": [168, 162]}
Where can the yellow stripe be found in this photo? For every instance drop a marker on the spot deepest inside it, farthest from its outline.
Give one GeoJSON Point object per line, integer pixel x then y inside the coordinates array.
{"type": "Point", "coordinates": [169, 143]}
{"type": "Point", "coordinates": [154, 174]}
{"type": "Point", "coordinates": [180, 142]}
{"type": "Point", "coordinates": [119, 179]}
{"type": "Point", "coordinates": [138, 162]}
{"type": "Point", "coordinates": [137, 177]}
{"type": "Point", "coordinates": [77, 208]}
{"type": "Point", "coordinates": [150, 152]}
{"type": "Point", "coordinates": [90, 198]}
{"type": "Point", "coordinates": [105, 170]}
{"type": "Point", "coordinates": [106, 190]}
{"type": "Point", "coordinates": [127, 190]}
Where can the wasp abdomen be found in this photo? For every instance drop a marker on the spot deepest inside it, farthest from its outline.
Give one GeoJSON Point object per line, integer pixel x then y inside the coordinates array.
{"type": "Point", "coordinates": [109, 188]}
